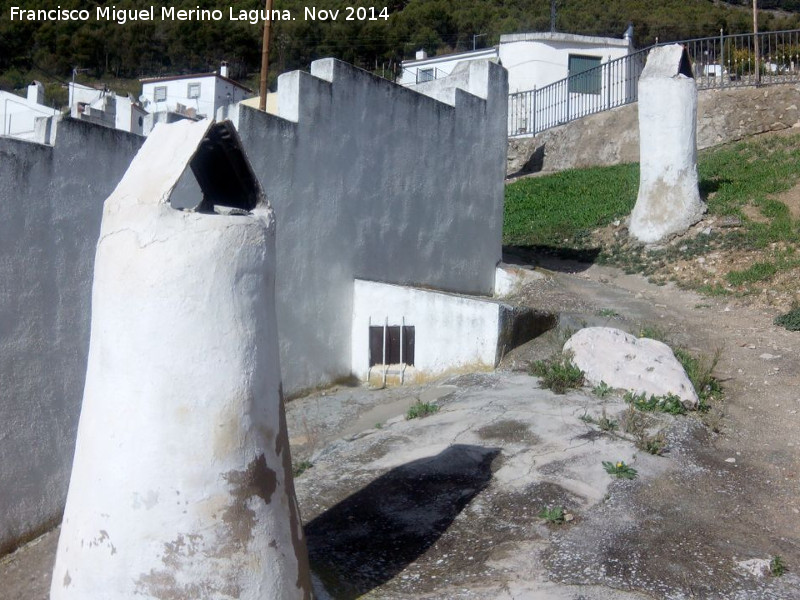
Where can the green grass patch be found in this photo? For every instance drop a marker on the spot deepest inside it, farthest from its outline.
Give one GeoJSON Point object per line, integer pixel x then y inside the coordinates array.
{"type": "Point", "coordinates": [547, 210]}
{"type": "Point", "coordinates": [558, 213]}
{"type": "Point", "coordinates": [759, 271]}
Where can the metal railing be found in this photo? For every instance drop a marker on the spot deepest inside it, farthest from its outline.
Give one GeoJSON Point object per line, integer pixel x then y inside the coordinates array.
{"type": "Point", "coordinates": [612, 84]}
{"type": "Point", "coordinates": [730, 60]}
{"type": "Point", "coordinates": [717, 62]}
{"type": "Point", "coordinates": [415, 75]}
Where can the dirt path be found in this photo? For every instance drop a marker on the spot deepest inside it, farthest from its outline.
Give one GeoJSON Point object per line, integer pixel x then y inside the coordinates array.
{"type": "Point", "coordinates": [685, 529]}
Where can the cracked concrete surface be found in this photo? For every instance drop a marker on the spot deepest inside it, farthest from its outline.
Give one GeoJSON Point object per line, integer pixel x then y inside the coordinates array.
{"type": "Point", "coordinates": [447, 507]}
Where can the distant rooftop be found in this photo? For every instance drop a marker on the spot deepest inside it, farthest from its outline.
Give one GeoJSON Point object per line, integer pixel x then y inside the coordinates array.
{"type": "Point", "coordinates": [549, 36]}
{"type": "Point", "coordinates": [194, 76]}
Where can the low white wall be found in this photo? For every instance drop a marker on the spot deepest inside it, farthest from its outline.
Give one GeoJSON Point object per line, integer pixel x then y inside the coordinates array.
{"type": "Point", "coordinates": [449, 330]}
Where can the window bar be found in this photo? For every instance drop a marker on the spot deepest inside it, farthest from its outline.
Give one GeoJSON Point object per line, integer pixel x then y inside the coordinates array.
{"type": "Point", "coordinates": [385, 327]}
{"type": "Point", "coordinates": [402, 363]}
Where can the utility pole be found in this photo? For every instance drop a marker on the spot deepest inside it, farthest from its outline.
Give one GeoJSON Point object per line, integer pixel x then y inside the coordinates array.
{"type": "Point", "coordinates": [552, 16]}
{"type": "Point", "coordinates": [755, 42]}
{"type": "Point", "coordinates": [262, 89]}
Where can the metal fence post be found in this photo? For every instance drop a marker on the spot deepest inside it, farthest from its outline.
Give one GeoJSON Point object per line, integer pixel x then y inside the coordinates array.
{"type": "Point", "coordinates": [721, 58]}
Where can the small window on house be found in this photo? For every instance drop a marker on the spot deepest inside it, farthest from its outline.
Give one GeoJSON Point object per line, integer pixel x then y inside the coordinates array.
{"type": "Point", "coordinates": [193, 90]}
{"type": "Point", "coordinates": [424, 75]}
{"type": "Point", "coordinates": [585, 76]}
{"type": "Point", "coordinates": [398, 351]}
{"type": "Point", "coordinates": [160, 94]}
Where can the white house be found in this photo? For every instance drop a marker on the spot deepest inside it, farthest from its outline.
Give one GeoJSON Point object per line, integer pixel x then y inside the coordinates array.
{"type": "Point", "coordinates": [104, 107]}
{"type": "Point", "coordinates": [190, 96]}
{"type": "Point", "coordinates": [533, 60]}
{"type": "Point", "coordinates": [424, 68]}
{"type": "Point", "coordinates": [18, 115]}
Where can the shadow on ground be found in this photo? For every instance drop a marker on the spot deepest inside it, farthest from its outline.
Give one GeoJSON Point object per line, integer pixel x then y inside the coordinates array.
{"type": "Point", "coordinates": [368, 538]}
{"type": "Point", "coordinates": [553, 258]}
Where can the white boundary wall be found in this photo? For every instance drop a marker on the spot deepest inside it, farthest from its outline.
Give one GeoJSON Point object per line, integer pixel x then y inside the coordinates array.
{"type": "Point", "coordinates": [375, 181]}
{"type": "Point", "coordinates": [450, 331]}
{"type": "Point", "coordinates": [51, 201]}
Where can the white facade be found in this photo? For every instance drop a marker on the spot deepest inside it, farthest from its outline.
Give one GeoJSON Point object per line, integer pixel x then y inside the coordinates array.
{"type": "Point", "coordinates": [18, 115]}
{"type": "Point", "coordinates": [532, 60]}
{"type": "Point", "coordinates": [192, 96]}
{"type": "Point", "coordinates": [106, 108]}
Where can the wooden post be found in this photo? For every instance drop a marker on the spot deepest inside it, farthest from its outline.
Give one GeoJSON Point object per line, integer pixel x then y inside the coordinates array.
{"type": "Point", "coordinates": [262, 89]}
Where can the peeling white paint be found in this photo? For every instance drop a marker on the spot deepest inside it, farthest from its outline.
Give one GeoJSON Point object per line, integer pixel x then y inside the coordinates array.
{"type": "Point", "coordinates": [182, 441]}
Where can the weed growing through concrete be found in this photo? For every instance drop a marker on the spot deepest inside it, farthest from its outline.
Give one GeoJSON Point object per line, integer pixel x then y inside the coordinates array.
{"type": "Point", "coordinates": [777, 566]}
{"type": "Point", "coordinates": [558, 374]}
{"type": "Point", "coordinates": [301, 467]}
{"type": "Point", "coordinates": [608, 313]}
{"type": "Point", "coordinates": [652, 444]}
{"type": "Point", "coordinates": [421, 410]}
{"type": "Point", "coordinates": [602, 389]}
{"type": "Point", "coordinates": [603, 423]}
{"type": "Point", "coordinates": [670, 403]}
{"type": "Point", "coordinates": [619, 469]}
{"type": "Point", "coordinates": [554, 515]}
{"type": "Point", "coordinates": [790, 320]}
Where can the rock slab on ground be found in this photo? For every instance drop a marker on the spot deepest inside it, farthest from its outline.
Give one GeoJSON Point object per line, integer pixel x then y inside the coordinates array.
{"type": "Point", "coordinates": [626, 362]}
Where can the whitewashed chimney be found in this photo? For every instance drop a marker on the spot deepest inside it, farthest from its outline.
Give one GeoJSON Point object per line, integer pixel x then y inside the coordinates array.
{"type": "Point", "coordinates": [223, 69]}
{"type": "Point", "coordinates": [669, 199]}
{"type": "Point", "coordinates": [181, 484]}
{"type": "Point", "coordinates": [36, 93]}
{"type": "Point", "coordinates": [421, 54]}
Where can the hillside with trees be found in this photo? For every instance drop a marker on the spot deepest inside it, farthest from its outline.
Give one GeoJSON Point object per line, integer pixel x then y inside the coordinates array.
{"type": "Point", "coordinates": [103, 50]}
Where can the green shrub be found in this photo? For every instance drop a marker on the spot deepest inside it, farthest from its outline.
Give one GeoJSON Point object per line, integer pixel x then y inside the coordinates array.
{"type": "Point", "coordinates": [790, 320]}
{"type": "Point", "coordinates": [554, 515]}
{"type": "Point", "coordinates": [670, 403]}
{"type": "Point", "coordinates": [619, 469]}
{"type": "Point", "coordinates": [777, 566]}
{"type": "Point", "coordinates": [602, 389]}
{"type": "Point", "coordinates": [558, 374]}
{"type": "Point", "coordinates": [420, 410]}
